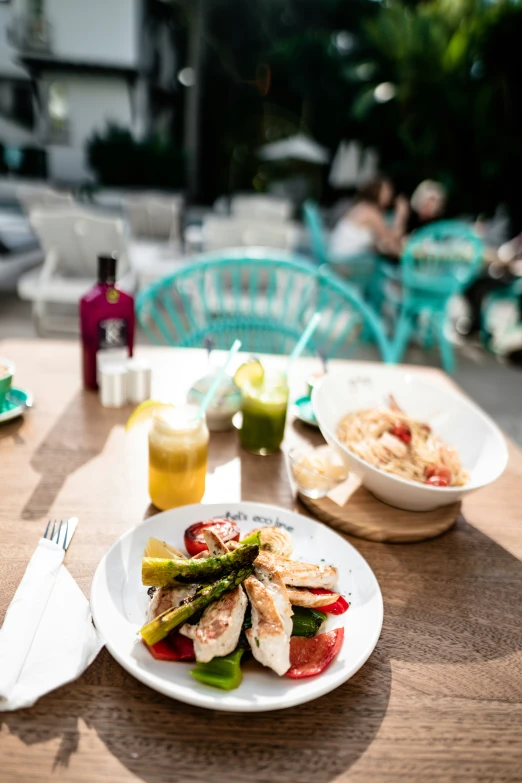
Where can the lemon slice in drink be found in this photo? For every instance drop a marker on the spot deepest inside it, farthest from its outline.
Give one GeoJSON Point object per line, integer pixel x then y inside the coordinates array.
{"type": "Point", "coordinates": [156, 548]}
{"type": "Point", "coordinates": [144, 412]}
{"type": "Point", "coordinates": [250, 372]}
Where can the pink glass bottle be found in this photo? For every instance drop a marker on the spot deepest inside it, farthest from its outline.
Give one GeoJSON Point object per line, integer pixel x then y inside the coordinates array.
{"type": "Point", "coordinates": [106, 319]}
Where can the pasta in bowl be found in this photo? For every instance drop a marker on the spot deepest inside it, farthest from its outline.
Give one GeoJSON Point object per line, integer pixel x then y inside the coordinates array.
{"type": "Point", "coordinates": [415, 443]}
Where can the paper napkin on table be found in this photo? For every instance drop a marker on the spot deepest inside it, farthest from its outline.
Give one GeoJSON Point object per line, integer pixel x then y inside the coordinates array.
{"type": "Point", "coordinates": [47, 638]}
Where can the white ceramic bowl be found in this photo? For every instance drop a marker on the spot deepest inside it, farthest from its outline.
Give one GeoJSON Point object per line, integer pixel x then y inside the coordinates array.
{"type": "Point", "coordinates": [458, 421]}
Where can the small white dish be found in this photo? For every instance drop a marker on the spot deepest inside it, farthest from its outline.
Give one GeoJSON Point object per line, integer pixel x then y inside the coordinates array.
{"type": "Point", "coordinates": [461, 423]}
{"type": "Point", "coordinates": [119, 602]}
{"type": "Point", "coordinates": [316, 471]}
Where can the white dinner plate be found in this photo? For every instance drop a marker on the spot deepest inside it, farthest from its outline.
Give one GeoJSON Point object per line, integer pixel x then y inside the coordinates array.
{"type": "Point", "coordinates": [119, 602]}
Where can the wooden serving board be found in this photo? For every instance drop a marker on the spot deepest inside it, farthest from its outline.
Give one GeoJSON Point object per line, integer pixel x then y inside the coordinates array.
{"type": "Point", "coordinates": [366, 517]}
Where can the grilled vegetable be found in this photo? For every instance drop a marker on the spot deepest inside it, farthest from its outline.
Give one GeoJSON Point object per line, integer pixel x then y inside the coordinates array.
{"type": "Point", "coordinates": [306, 622]}
{"type": "Point", "coordinates": [174, 648]}
{"type": "Point", "coordinates": [224, 673]}
{"type": "Point", "coordinates": [252, 538]}
{"type": "Point", "coordinates": [159, 572]}
{"type": "Point", "coordinates": [226, 529]}
{"type": "Point", "coordinates": [338, 604]}
{"type": "Point", "coordinates": [309, 657]}
{"type": "Point", "coordinates": [162, 625]}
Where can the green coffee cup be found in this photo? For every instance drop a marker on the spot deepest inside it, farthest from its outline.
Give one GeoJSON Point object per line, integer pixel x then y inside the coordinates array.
{"type": "Point", "coordinates": [7, 369]}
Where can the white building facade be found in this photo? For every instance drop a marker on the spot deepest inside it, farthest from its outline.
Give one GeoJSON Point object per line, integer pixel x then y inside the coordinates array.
{"type": "Point", "coordinates": [90, 63]}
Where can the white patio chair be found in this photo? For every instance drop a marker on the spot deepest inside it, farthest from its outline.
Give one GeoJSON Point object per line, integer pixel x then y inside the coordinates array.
{"type": "Point", "coordinates": [71, 242]}
{"type": "Point", "coordinates": [226, 232]}
{"type": "Point", "coordinates": [32, 197]}
{"type": "Point", "coordinates": [256, 206]}
{"type": "Point", "coordinates": [264, 233]}
{"type": "Point", "coordinates": [155, 217]}
{"type": "Point", "coordinates": [221, 232]}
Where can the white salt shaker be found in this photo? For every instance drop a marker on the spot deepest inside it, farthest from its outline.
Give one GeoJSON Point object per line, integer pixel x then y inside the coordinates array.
{"type": "Point", "coordinates": [112, 380]}
{"type": "Point", "coordinates": [139, 376]}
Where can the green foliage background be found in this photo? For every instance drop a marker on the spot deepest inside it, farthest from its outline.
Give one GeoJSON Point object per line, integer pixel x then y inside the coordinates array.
{"type": "Point", "coordinates": [456, 115]}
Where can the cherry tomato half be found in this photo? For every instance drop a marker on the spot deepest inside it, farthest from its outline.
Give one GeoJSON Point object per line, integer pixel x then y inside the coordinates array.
{"type": "Point", "coordinates": [311, 656]}
{"type": "Point", "coordinates": [440, 471]}
{"type": "Point", "coordinates": [402, 432]}
{"type": "Point", "coordinates": [437, 481]}
{"type": "Point", "coordinates": [226, 529]}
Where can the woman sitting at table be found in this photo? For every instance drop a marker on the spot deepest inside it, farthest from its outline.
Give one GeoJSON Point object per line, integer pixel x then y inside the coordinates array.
{"type": "Point", "coordinates": [364, 229]}
{"type": "Point", "coordinates": [428, 202]}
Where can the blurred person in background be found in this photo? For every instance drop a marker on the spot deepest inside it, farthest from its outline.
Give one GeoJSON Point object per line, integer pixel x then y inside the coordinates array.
{"type": "Point", "coordinates": [497, 276]}
{"type": "Point", "coordinates": [365, 229]}
{"type": "Point", "coordinates": [428, 203]}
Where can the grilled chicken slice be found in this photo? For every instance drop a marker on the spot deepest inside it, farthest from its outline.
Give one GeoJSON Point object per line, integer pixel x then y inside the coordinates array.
{"type": "Point", "coordinates": [216, 546]}
{"type": "Point", "coordinates": [299, 574]}
{"type": "Point", "coordinates": [271, 579]}
{"type": "Point", "coordinates": [269, 636]}
{"type": "Point", "coordinates": [300, 596]}
{"type": "Point", "coordinates": [168, 598]}
{"type": "Point", "coordinates": [217, 633]}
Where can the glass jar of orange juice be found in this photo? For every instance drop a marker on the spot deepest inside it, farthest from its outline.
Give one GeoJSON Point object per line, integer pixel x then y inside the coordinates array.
{"type": "Point", "coordinates": [178, 449]}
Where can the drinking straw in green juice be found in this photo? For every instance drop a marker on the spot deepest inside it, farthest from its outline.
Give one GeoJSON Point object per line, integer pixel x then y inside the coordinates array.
{"type": "Point", "coordinates": [264, 407]}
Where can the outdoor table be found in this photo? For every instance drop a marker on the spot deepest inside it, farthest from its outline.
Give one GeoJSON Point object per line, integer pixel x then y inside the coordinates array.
{"type": "Point", "coordinates": [440, 699]}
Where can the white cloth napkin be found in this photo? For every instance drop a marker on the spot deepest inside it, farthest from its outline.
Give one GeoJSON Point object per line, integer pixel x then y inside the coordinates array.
{"type": "Point", "coordinates": [47, 638]}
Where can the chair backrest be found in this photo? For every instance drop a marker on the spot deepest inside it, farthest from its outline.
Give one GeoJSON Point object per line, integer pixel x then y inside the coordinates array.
{"type": "Point", "coordinates": [154, 217]}
{"type": "Point", "coordinates": [97, 235]}
{"type": "Point", "coordinates": [442, 258]}
{"type": "Point", "coordinates": [316, 234]}
{"type": "Point", "coordinates": [220, 232]}
{"type": "Point", "coordinates": [262, 296]}
{"type": "Point", "coordinates": [32, 197]}
{"type": "Point", "coordinates": [257, 206]}
{"type": "Point", "coordinates": [77, 238]}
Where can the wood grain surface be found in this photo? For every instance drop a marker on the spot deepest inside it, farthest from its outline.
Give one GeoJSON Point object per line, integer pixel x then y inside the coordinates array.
{"type": "Point", "coordinates": [440, 699]}
{"type": "Point", "coordinates": [366, 517]}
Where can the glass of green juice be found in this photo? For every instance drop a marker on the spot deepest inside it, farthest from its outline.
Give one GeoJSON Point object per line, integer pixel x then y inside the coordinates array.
{"type": "Point", "coordinates": [264, 407]}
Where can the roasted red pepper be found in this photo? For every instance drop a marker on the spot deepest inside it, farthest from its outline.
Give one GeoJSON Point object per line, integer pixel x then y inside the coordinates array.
{"type": "Point", "coordinates": [175, 647]}
{"type": "Point", "coordinates": [340, 606]}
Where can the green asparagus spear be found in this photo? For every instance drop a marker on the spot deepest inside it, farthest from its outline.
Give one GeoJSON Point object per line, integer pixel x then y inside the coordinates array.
{"type": "Point", "coordinates": [160, 572]}
{"type": "Point", "coordinates": [253, 538]}
{"type": "Point", "coordinates": [162, 625]}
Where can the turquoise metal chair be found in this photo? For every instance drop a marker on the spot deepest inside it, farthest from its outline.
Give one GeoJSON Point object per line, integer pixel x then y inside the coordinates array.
{"type": "Point", "coordinates": [368, 271]}
{"type": "Point", "coordinates": [264, 297]}
{"type": "Point", "coordinates": [359, 269]}
{"type": "Point", "coordinates": [439, 261]}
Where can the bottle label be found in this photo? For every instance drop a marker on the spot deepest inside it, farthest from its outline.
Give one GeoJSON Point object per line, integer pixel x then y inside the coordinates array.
{"type": "Point", "coordinates": [112, 295]}
{"type": "Point", "coordinates": [112, 333]}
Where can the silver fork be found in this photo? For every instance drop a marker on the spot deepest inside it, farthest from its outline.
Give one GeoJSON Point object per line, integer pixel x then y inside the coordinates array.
{"type": "Point", "coordinates": [59, 534]}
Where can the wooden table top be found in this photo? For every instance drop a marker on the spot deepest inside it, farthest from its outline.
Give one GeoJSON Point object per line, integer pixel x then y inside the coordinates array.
{"type": "Point", "coordinates": [440, 699]}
